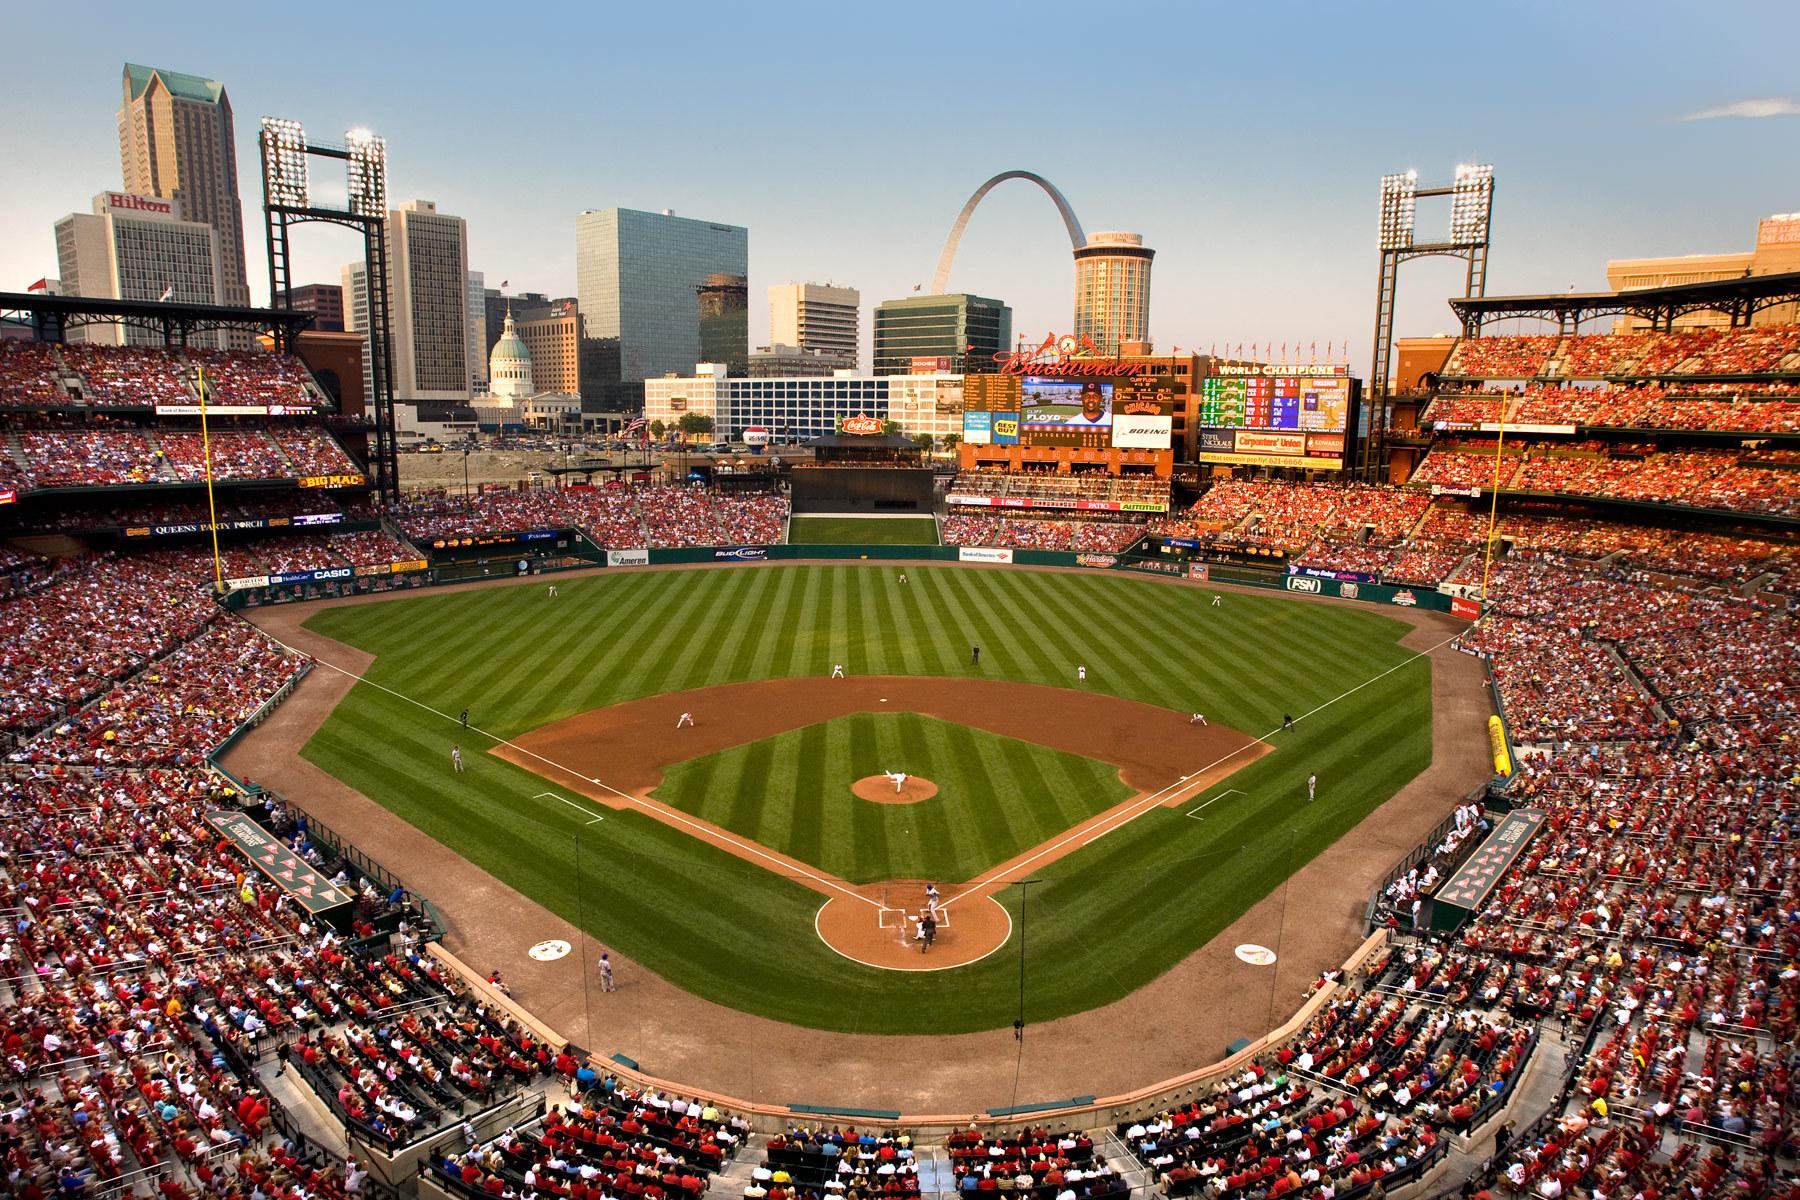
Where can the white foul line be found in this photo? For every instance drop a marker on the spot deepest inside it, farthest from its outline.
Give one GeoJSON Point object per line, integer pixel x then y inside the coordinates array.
{"type": "Point", "coordinates": [666, 813]}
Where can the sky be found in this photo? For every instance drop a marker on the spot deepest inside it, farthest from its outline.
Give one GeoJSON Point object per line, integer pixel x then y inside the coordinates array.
{"type": "Point", "coordinates": [1245, 142]}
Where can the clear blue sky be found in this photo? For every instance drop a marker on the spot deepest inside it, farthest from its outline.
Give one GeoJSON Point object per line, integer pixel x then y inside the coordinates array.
{"type": "Point", "coordinates": [1245, 142]}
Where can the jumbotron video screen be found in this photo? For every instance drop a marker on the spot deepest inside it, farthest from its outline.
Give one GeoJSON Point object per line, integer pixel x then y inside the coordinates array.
{"type": "Point", "coordinates": [1277, 415]}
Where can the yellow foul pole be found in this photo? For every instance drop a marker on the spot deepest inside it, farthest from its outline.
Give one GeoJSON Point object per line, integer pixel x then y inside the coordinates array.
{"type": "Point", "coordinates": [212, 512]}
{"type": "Point", "coordinates": [1487, 562]}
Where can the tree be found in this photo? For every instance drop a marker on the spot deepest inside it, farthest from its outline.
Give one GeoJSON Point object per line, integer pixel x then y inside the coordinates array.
{"type": "Point", "coordinates": [951, 439]}
{"type": "Point", "coordinates": [922, 440]}
{"type": "Point", "coordinates": [657, 429]}
{"type": "Point", "coordinates": [891, 428]}
{"type": "Point", "coordinates": [692, 423]}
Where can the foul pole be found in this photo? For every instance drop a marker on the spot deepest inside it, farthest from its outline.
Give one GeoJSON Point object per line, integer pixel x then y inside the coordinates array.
{"type": "Point", "coordinates": [212, 512]}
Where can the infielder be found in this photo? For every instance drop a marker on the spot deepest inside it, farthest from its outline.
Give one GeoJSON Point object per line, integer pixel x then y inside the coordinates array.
{"type": "Point", "coordinates": [837, 670]}
{"type": "Point", "coordinates": [685, 718]}
{"type": "Point", "coordinates": [1197, 719]}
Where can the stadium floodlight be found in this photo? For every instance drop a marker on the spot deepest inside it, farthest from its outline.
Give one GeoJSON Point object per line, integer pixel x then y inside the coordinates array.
{"type": "Point", "coordinates": [368, 173]}
{"type": "Point", "coordinates": [1399, 195]}
{"type": "Point", "coordinates": [284, 162]}
{"type": "Point", "coordinates": [1471, 203]}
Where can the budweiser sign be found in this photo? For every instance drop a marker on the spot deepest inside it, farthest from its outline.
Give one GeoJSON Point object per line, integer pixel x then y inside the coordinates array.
{"type": "Point", "coordinates": [862, 425]}
{"type": "Point", "coordinates": [1064, 357]}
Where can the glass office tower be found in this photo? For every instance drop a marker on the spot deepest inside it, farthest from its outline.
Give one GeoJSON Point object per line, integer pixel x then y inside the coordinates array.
{"type": "Point", "coordinates": [638, 276]}
{"type": "Point", "coordinates": [967, 330]}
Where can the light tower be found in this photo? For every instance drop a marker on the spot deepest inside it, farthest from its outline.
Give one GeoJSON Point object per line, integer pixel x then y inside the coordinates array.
{"type": "Point", "coordinates": [287, 201]}
{"type": "Point", "coordinates": [1471, 209]}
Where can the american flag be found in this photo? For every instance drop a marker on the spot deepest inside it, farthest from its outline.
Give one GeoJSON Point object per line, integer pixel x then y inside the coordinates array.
{"type": "Point", "coordinates": [636, 427]}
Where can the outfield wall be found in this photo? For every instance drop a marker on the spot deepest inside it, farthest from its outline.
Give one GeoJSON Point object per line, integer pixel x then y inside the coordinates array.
{"type": "Point", "coordinates": [359, 581]}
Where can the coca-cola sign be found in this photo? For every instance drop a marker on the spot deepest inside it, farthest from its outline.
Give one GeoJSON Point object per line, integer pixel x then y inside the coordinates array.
{"type": "Point", "coordinates": [862, 425]}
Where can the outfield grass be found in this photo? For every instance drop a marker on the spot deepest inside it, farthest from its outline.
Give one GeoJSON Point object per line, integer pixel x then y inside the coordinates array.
{"type": "Point", "coordinates": [997, 797]}
{"type": "Point", "coordinates": [1101, 924]}
{"type": "Point", "coordinates": [866, 531]}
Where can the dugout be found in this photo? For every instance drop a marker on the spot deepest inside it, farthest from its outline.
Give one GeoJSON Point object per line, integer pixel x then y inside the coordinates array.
{"type": "Point", "coordinates": [863, 474]}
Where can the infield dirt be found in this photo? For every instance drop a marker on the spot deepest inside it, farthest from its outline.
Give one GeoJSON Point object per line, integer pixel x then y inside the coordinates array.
{"type": "Point", "coordinates": [1180, 1020]}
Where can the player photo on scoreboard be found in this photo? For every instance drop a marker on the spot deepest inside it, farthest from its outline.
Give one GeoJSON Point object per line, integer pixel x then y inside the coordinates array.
{"type": "Point", "coordinates": [1065, 403]}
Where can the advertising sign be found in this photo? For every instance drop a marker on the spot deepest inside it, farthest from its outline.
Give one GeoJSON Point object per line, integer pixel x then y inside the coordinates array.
{"type": "Point", "coordinates": [1200, 572]}
{"type": "Point", "coordinates": [289, 872]}
{"type": "Point", "coordinates": [1304, 583]}
{"type": "Point", "coordinates": [742, 553]}
{"type": "Point", "coordinates": [1096, 560]}
{"type": "Point", "coordinates": [627, 558]}
{"type": "Point", "coordinates": [990, 554]}
{"type": "Point", "coordinates": [1142, 433]}
{"type": "Point", "coordinates": [1006, 429]}
{"type": "Point", "coordinates": [861, 425]}
{"type": "Point", "coordinates": [331, 481]}
{"type": "Point", "coordinates": [320, 576]}
{"type": "Point", "coordinates": [756, 436]}
{"type": "Point", "coordinates": [1465, 608]}
{"type": "Point", "coordinates": [978, 428]}
{"type": "Point", "coordinates": [1322, 573]}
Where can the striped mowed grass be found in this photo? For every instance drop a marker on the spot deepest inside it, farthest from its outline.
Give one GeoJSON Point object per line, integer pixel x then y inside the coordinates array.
{"type": "Point", "coordinates": [1100, 923]}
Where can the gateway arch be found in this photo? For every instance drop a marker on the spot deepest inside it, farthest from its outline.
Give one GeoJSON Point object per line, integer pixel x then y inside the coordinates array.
{"type": "Point", "coordinates": [1077, 239]}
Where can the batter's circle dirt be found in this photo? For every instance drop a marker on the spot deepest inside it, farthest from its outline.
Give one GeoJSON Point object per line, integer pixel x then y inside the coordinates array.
{"type": "Point", "coordinates": [879, 789]}
{"type": "Point", "coordinates": [878, 926]}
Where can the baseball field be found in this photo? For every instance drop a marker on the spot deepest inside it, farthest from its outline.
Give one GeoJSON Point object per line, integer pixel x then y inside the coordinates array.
{"type": "Point", "coordinates": [749, 857]}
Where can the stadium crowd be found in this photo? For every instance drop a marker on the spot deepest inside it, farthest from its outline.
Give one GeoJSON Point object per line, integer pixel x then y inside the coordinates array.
{"type": "Point", "coordinates": [1644, 354]}
{"type": "Point", "coordinates": [619, 518]}
{"type": "Point", "coordinates": [95, 375]}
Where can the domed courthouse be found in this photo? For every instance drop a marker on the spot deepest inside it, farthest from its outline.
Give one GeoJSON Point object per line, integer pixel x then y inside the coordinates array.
{"type": "Point", "coordinates": [513, 401]}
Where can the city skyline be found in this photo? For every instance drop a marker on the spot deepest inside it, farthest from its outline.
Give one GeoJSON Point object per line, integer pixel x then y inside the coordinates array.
{"type": "Point", "coordinates": [1260, 200]}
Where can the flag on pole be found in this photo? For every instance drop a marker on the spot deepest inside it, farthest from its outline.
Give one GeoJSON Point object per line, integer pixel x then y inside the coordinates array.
{"type": "Point", "coordinates": [167, 292]}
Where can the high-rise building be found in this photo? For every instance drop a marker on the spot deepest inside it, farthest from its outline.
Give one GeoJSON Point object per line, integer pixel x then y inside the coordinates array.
{"type": "Point", "coordinates": [478, 343]}
{"type": "Point", "coordinates": [428, 287]}
{"type": "Point", "coordinates": [725, 321]}
{"type": "Point", "coordinates": [176, 142]}
{"type": "Point", "coordinates": [325, 301]}
{"type": "Point", "coordinates": [137, 248]}
{"type": "Point", "coordinates": [816, 318]}
{"type": "Point", "coordinates": [1112, 290]}
{"type": "Point", "coordinates": [552, 337]}
{"type": "Point", "coordinates": [637, 275]}
{"type": "Point", "coordinates": [356, 317]}
{"type": "Point", "coordinates": [967, 330]}
{"type": "Point", "coordinates": [524, 306]}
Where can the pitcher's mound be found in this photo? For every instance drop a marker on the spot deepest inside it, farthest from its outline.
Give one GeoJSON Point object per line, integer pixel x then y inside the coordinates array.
{"type": "Point", "coordinates": [880, 789]}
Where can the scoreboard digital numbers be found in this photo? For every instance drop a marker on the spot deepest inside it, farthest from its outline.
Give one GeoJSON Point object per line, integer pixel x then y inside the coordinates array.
{"type": "Point", "coordinates": [1276, 416]}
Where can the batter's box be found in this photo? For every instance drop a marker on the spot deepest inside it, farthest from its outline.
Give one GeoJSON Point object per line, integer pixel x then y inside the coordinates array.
{"type": "Point", "coordinates": [1198, 808]}
{"type": "Point", "coordinates": [882, 922]}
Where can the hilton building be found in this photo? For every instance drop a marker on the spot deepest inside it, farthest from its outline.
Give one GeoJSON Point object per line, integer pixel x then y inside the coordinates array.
{"type": "Point", "coordinates": [137, 248]}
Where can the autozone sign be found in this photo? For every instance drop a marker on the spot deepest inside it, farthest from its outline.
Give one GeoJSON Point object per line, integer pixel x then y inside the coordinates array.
{"type": "Point", "coordinates": [862, 425]}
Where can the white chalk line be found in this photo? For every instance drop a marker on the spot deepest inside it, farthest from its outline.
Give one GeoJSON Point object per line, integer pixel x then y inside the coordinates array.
{"type": "Point", "coordinates": [1110, 824]}
{"type": "Point", "coordinates": [786, 867]}
{"type": "Point", "coordinates": [1125, 815]}
{"type": "Point", "coordinates": [1215, 800]}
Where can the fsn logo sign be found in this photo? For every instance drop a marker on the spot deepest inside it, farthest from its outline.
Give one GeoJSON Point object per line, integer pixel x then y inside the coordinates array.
{"type": "Point", "coordinates": [1303, 583]}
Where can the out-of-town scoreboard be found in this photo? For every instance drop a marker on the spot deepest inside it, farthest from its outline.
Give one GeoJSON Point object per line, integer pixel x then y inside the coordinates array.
{"type": "Point", "coordinates": [1277, 415]}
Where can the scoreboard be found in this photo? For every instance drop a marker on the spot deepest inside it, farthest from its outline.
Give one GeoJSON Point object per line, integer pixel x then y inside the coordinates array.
{"type": "Point", "coordinates": [1271, 415]}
